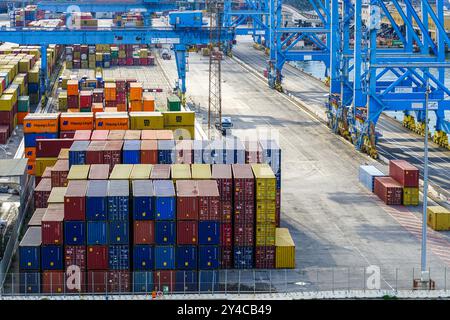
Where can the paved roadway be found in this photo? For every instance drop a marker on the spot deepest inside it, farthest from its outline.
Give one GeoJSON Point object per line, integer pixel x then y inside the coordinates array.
{"type": "Point", "coordinates": [335, 222]}
{"type": "Point", "coordinates": [396, 142]}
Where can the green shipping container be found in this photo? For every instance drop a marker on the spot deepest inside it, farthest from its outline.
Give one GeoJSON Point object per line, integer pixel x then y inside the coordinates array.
{"type": "Point", "coordinates": [23, 104]}
{"type": "Point", "coordinates": [173, 103]}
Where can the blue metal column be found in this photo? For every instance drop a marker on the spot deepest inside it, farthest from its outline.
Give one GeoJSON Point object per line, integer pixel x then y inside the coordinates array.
{"type": "Point", "coordinates": [43, 72]}
{"type": "Point", "coordinates": [335, 85]}
{"type": "Point", "coordinates": [180, 58]}
{"type": "Point", "coordinates": [440, 116]}
{"type": "Point", "coordinates": [358, 98]}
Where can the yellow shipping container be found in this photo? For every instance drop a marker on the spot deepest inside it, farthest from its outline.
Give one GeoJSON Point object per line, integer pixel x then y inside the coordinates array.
{"type": "Point", "coordinates": [14, 91]}
{"type": "Point", "coordinates": [179, 118]}
{"type": "Point", "coordinates": [284, 249]}
{"type": "Point", "coordinates": [410, 196]}
{"type": "Point", "coordinates": [63, 154]}
{"type": "Point", "coordinates": [62, 101]}
{"type": "Point", "coordinates": [146, 120]}
{"type": "Point", "coordinates": [201, 171]}
{"type": "Point", "coordinates": [265, 212]}
{"type": "Point", "coordinates": [182, 133]}
{"type": "Point", "coordinates": [33, 75]}
{"type": "Point", "coordinates": [265, 234]}
{"type": "Point", "coordinates": [141, 172]}
{"type": "Point", "coordinates": [57, 195]}
{"type": "Point", "coordinates": [266, 183]}
{"type": "Point", "coordinates": [42, 163]}
{"type": "Point", "coordinates": [121, 172]}
{"type": "Point", "coordinates": [78, 172]}
{"type": "Point", "coordinates": [438, 218]}
{"type": "Point", "coordinates": [181, 171]}
{"type": "Point", "coordinates": [6, 102]}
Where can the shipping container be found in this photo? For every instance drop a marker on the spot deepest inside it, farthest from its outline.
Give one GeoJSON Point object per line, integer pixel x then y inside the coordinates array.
{"type": "Point", "coordinates": [42, 193]}
{"type": "Point", "coordinates": [119, 232]}
{"type": "Point", "coordinates": [141, 172]}
{"type": "Point", "coordinates": [53, 282]}
{"type": "Point", "coordinates": [121, 172]}
{"type": "Point", "coordinates": [164, 280]}
{"type": "Point", "coordinates": [112, 154]}
{"type": "Point", "coordinates": [77, 152]}
{"type": "Point", "coordinates": [119, 281]}
{"type": "Point", "coordinates": [78, 172]}
{"type": "Point", "coordinates": [143, 257]}
{"type": "Point", "coordinates": [75, 256]}
{"type": "Point", "coordinates": [244, 234]}
{"type": "Point", "coordinates": [164, 191]}
{"type": "Point", "coordinates": [144, 232]}
{"type": "Point", "coordinates": [367, 176]}
{"type": "Point", "coordinates": [244, 182]}
{"type": "Point", "coordinates": [187, 200]}
{"type": "Point", "coordinates": [118, 199]}
{"type": "Point", "coordinates": [97, 257]}
{"type": "Point", "coordinates": [132, 135]}
{"type": "Point", "coordinates": [181, 171]}
{"type": "Point", "coordinates": [186, 257]}
{"type": "Point", "coordinates": [99, 135]}
{"type": "Point", "coordinates": [404, 173]}
{"type": "Point", "coordinates": [166, 151]}
{"type": "Point", "coordinates": [52, 257]}
{"type": "Point", "coordinates": [94, 152]}
{"type": "Point", "coordinates": [75, 233]}
{"type": "Point", "coordinates": [131, 152]}
{"type": "Point", "coordinates": [52, 225]}
{"type": "Point", "coordinates": [253, 152]}
{"type": "Point", "coordinates": [388, 190]}
{"type": "Point", "coordinates": [99, 172]}
{"type": "Point", "coordinates": [226, 234]}
{"type": "Point", "coordinates": [164, 257]}
{"type": "Point", "coordinates": [165, 232]}
{"type": "Point", "coordinates": [30, 249]}
{"type": "Point", "coordinates": [116, 134]}
{"type": "Point", "coordinates": [208, 232]}
{"type": "Point", "coordinates": [201, 171]}
{"type": "Point", "coordinates": [438, 218]}
{"type": "Point", "coordinates": [119, 257]}
{"type": "Point", "coordinates": [208, 257]}
{"type": "Point", "coordinates": [186, 281]}
{"type": "Point", "coordinates": [265, 181]}
{"type": "Point", "coordinates": [143, 200]}
{"type": "Point", "coordinates": [265, 257]}
{"type": "Point", "coordinates": [226, 257]}
{"type": "Point", "coordinates": [36, 218]}
{"type": "Point", "coordinates": [75, 200]}
{"type": "Point", "coordinates": [284, 249]}
{"type": "Point", "coordinates": [59, 173]}
{"type": "Point", "coordinates": [57, 195]}
{"type": "Point", "coordinates": [30, 282]}
{"type": "Point", "coordinates": [187, 232]}
{"type": "Point", "coordinates": [184, 153]}
{"type": "Point", "coordinates": [243, 257]}
{"type": "Point", "coordinates": [47, 148]}
{"type": "Point", "coordinates": [208, 280]}
{"type": "Point", "coordinates": [410, 196]}
{"type": "Point", "coordinates": [96, 200]}
{"type": "Point", "coordinates": [149, 151]}
{"type": "Point", "coordinates": [97, 232]}
{"type": "Point", "coordinates": [143, 282]}
{"type": "Point", "coordinates": [208, 200]}
{"type": "Point", "coordinates": [160, 172]}
{"type": "Point", "coordinates": [96, 281]}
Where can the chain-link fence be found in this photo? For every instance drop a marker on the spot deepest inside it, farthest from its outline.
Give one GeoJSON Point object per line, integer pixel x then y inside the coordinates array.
{"type": "Point", "coordinates": [169, 282]}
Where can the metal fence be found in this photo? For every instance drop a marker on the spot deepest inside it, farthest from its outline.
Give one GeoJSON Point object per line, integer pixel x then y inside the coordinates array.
{"type": "Point", "coordinates": [220, 281]}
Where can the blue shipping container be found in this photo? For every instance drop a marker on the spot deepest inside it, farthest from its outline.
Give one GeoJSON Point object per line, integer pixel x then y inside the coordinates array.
{"type": "Point", "coordinates": [208, 257]}
{"type": "Point", "coordinates": [202, 151]}
{"type": "Point", "coordinates": [166, 151]}
{"type": "Point", "coordinates": [118, 200]}
{"type": "Point", "coordinates": [119, 232]}
{"type": "Point", "coordinates": [271, 154]}
{"type": "Point", "coordinates": [131, 152]}
{"type": "Point", "coordinates": [186, 257]}
{"type": "Point", "coordinates": [96, 200]}
{"type": "Point", "coordinates": [52, 258]}
{"type": "Point", "coordinates": [77, 152]}
{"type": "Point", "coordinates": [243, 257]}
{"type": "Point", "coordinates": [30, 282]}
{"type": "Point", "coordinates": [30, 250]}
{"type": "Point", "coordinates": [143, 200]}
{"type": "Point", "coordinates": [367, 176]}
{"type": "Point", "coordinates": [208, 232]}
{"type": "Point", "coordinates": [143, 257]}
{"type": "Point", "coordinates": [164, 257]}
{"type": "Point", "coordinates": [165, 232]}
{"type": "Point", "coordinates": [119, 257]}
{"type": "Point", "coordinates": [186, 281]}
{"type": "Point", "coordinates": [143, 282]}
{"type": "Point", "coordinates": [74, 233]}
{"type": "Point", "coordinates": [97, 233]}
{"type": "Point", "coordinates": [208, 280]}
{"type": "Point", "coordinates": [164, 199]}
{"type": "Point", "coordinates": [30, 138]}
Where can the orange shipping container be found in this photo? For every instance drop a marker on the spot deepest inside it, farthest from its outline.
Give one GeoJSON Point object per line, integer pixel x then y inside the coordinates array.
{"type": "Point", "coordinates": [72, 87]}
{"type": "Point", "coordinates": [121, 107]}
{"type": "Point", "coordinates": [97, 107]}
{"type": "Point", "coordinates": [77, 121]}
{"type": "Point", "coordinates": [41, 122]}
{"type": "Point", "coordinates": [110, 109]}
{"type": "Point", "coordinates": [135, 91]}
{"type": "Point", "coordinates": [21, 116]}
{"type": "Point", "coordinates": [135, 105]}
{"type": "Point", "coordinates": [111, 121]}
{"type": "Point", "coordinates": [110, 91]}
{"type": "Point", "coordinates": [31, 166]}
{"type": "Point", "coordinates": [30, 153]}
{"type": "Point", "coordinates": [149, 103]}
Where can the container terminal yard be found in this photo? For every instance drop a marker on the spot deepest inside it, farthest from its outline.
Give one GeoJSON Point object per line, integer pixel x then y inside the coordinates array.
{"type": "Point", "coordinates": [294, 186]}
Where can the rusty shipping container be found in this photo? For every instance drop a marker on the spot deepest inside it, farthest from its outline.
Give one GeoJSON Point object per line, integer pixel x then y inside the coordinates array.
{"type": "Point", "coordinates": [42, 192]}
{"type": "Point", "coordinates": [149, 151]}
{"type": "Point", "coordinates": [75, 200]}
{"type": "Point", "coordinates": [187, 232]}
{"type": "Point", "coordinates": [144, 232]}
{"type": "Point", "coordinates": [404, 173]}
{"type": "Point", "coordinates": [50, 148]}
{"type": "Point", "coordinates": [388, 190]}
{"type": "Point", "coordinates": [187, 200]}
{"type": "Point", "coordinates": [59, 173]}
{"type": "Point", "coordinates": [52, 225]}
{"type": "Point", "coordinates": [112, 153]}
{"type": "Point", "coordinates": [95, 152]}
{"type": "Point", "coordinates": [208, 200]}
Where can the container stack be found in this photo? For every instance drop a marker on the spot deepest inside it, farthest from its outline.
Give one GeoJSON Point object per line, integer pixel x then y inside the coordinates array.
{"type": "Point", "coordinates": [408, 176]}
{"type": "Point", "coordinates": [30, 261]}
{"type": "Point", "coordinates": [135, 98]}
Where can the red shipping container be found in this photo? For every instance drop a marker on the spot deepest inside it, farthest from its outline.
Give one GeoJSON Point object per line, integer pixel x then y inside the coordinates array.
{"type": "Point", "coordinates": [112, 154]}
{"type": "Point", "coordinates": [144, 232]}
{"type": "Point", "coordinates": [243, 234]}
{"type": "Point", "coordinates": [110, 104]}
{"type": "Point", "coordinates": [75, 280]}
{"type": "Point", "coordinates": [149, 135]}
{"type": "Point", "coordinates": [42, 192]}
{"type": "Point", "coordinates": [97, 257]}
{"type": "Point", "coordinates": [224, 177]}
{"type": "Point", "coordinates": [208, 200]}
{"type": "Point", "coordinates": [73, 102]}
{"type": "Point", "coordinates": [99, 135]}
{"type": "Point", "coordinates": [404, 173]}
{"type": "Point", "coordinates": [119, 281]}
{"type": "Point", "coordinates": [265, 257]}
{"type": "Point", "coordinates": [66, 134]}
{"type": "Point", "coordinates": [52, 225]}
{"type": "Point", "coordinates": [53, 282]}
{"type": "Point", "coordinates": [226, 234]}
{"type": "Point", "coordinates": [149, 151]}
{"type": "Point", "coordinates": [121, 85]}
{"type": "Point", "coordinates": [6, 117]}
{"type": "Point", "coordinates": [94, 153]}
{"type": "Point", "coordinates": [164, 279]}
{"type": "Point", "coordinates": [4, 134]}
{"type": "Point", "coordinates": [187, 200]}
{"type": "Point", "coordinates": [75, 256]}
{"type": "Point", "coordinates": [226, 257]}
{"type": "Point", "coordinates": [85, 99]}
{"type": "Point", "coordinates": [75, 200]}
{"type": "Point", "coordinates": [187, 232]}
{"type": "Point", "coordinates": [50, 148]}
{"type": "Point", "coordinates": [225, 211]}
{"type": "Point", "coordinates": [244, 182]}
{"type": "Point", "coordinates": [99, 172]}
{"type": "Point", "coordinates": [82, 135]}
{"type": "Point", "coordinates": [388, 190]}
{"type": "Point", "coordinates": [59, 173]}
{"type": "Point", "coordinates": [143, 61]}
{"type": "Point", "coordinates": [253, 152]}
{"type": "Point", "coordinates": [97, 95]}
{"type": "Point", "coordinates": [96, 281]}
{"type": "Point", "coordinates": [244, 211]}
